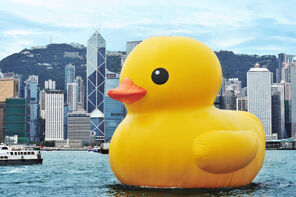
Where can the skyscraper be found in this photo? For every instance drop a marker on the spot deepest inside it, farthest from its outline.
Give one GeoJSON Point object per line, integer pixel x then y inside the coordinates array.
{"type": "Point", "coordinates": [78, 126]}
{"type": "Point", "coordinates": [281, 59]}
{"type": "Point", "coordinates": [42, 103]}
{"type": "Point", "coordinates": [72, 96]}
{"type": "Point", "coordinates": [293, 100]}
{"type": "Point", "coordinates": [228, 99]}
{"type": "Point", "coordinates": [131, 45]}
{"type": "Point", "coordinates": [114, 110]}
{"type": "Point", "coordinates": [259, 82]}
{"type": "Point", "coordinates": [8, 88]}
{"type": "Point", "coordinates": [96, 65]}
{"type": "Point", "coordinates": [286, 72]}
{"type": "Point", "coordinates": [32, 96]}
{"type": "Point", "coordinates": [278, 110]}
{"type": "Point", "coordinates": [54, 115]}
{"type": "Point", "coordinates": [16, 119]}
{"type": "Point", "coordinates": [80, 93]}
{"type": "Point", "coordinates": [69, 74]}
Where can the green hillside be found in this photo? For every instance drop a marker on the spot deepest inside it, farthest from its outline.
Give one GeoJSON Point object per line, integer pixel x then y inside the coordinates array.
{"type": "Point", "coordinates": [49, 63]}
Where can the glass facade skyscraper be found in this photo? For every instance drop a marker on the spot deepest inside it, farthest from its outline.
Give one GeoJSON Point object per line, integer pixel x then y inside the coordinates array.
{"type": "Point", "coordinates": [96, 65]}
{"type": "Point", "coordinates": [114, 110]}
{"type": "Point", "coordinates": [16, 119]}
{"type": "Point", "coordinates": [69, 74]}
{"type": "Point", "coordinates": [32, 96]}
{"type": "Point", "coordinates": [31, 93]}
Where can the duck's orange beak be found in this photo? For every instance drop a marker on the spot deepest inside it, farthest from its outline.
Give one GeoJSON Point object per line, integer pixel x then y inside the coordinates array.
{"type": "Point", "coordinates": [127, 92]}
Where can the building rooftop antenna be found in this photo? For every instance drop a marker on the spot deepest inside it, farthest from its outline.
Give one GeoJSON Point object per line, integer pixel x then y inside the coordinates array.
{"type": "Point", "coordinates": [93, 20]}
{"type": "Point", "coordinates": [99, 28]}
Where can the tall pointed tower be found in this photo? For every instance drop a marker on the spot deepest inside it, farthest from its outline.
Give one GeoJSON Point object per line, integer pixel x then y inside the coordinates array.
{"type": "Point", "coordinates": [96, 66]}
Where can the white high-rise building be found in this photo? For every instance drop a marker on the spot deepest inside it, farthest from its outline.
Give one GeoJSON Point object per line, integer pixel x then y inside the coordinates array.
{"type": "Point", "coordinates": [54, 115]}
{"type": "Point", "coordinates": [72, 96]}
{"type": "Point", "coordinates": [50, 85]}
{"type": "Point", "coordinates": [259, 82]}
{"type": "Point", "coordinates": [293, 100]}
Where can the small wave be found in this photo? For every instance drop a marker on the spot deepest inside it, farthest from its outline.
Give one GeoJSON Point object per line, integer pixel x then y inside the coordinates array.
{"type": "Point", "coordinates": [14, 171]}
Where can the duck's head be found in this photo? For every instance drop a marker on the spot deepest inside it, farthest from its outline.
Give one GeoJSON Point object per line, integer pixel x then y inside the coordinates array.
{"type": "Point", "coordinates": [169, 72]}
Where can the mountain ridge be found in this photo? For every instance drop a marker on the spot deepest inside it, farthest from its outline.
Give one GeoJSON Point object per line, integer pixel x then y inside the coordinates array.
{"type": "Point", "coordinates": [48, 62]}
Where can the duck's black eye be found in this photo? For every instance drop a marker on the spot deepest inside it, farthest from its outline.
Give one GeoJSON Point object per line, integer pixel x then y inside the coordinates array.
{"type": "Point", "coordinates": [160, 76]}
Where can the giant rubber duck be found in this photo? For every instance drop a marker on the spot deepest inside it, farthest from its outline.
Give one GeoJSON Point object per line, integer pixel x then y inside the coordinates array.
{"type": "Point", "coordinates": [172, 135]}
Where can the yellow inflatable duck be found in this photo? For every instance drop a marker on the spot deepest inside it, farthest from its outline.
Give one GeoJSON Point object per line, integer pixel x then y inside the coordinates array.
{"type": "Point", "coordinates": [173, 136]}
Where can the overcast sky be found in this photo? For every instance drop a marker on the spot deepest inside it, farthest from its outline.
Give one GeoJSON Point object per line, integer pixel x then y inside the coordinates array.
{"type": "Point", "coordinates": [248, 26]}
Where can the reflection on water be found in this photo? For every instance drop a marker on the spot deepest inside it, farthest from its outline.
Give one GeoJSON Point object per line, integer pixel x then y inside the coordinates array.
{"type": "Point", "coordinates": [125, 190]}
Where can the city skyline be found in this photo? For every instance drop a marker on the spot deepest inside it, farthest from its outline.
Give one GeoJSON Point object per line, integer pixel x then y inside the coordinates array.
{"type": "Point", "coordinates": [244, 27]}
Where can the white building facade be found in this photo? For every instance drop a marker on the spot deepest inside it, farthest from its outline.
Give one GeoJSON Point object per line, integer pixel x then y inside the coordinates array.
{"type": "Point", "coordinates": [259, 82]}
{"type": "Point", "coordinates": [54, 115]}
{"type": "Point", "coordinates": [50, 85]}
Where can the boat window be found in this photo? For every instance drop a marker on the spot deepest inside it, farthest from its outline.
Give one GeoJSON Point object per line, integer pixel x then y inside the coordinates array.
{"type": "Point", "coordinates": [11, 153]}
{"type": "Point", "coordinates": [5, 157]}
{"type": "Point", "coordinates": [25, 153]}
{"type": "Point", "coordinates": [29, 153]}
{"type": "Point", "coordinates": [15, 153]}
{"type": "Point", "coordinates": [4, 148]}
{"type": "Point", "coordinates": [19, 153]}
{"type": "Point", "coordinates": [22, 153]}
{"type": "Point", "coordinates": [32, 153]}
{"type": "Point", "coordinates": [1, 157]}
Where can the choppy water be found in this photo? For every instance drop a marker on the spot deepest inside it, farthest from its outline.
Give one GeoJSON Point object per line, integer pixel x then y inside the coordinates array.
{"type": "Point", "coordinates": [89, 174]}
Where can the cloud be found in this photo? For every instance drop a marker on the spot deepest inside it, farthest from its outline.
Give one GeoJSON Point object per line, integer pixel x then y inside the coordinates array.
{"type": "Point", "coordinates": [244, 26]}
{"type": "Point", "coordinates": [19, 33]}
{"type": "Point", "coordinates": [14, 47]}
{"type": "Point", "coordinates": [229, 42]}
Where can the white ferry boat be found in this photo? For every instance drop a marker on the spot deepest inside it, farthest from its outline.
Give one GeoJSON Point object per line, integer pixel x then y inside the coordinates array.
{"type": "Point", "coordinates": [18, 156]}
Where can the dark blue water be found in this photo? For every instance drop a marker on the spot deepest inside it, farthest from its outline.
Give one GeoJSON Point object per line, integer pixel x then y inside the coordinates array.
{"type": "Point", "coordinates": [89, 174]}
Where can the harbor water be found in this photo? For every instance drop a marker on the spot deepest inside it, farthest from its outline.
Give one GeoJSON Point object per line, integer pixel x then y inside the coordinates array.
{"type": "Point", "coordinates": [89, 174]}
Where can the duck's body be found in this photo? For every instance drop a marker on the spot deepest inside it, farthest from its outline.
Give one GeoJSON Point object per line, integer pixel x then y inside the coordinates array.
{"type": "Point", "coordinates": [173, 136]}
{"type": "Point", "coordinates": [144, 155]}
